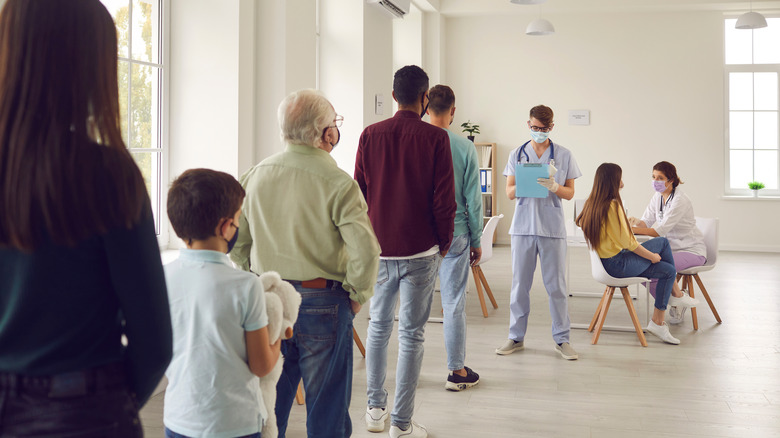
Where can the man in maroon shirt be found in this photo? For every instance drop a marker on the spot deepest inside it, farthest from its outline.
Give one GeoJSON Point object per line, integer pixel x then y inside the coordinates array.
{"type": "Point", "coordinates": [404, 168]}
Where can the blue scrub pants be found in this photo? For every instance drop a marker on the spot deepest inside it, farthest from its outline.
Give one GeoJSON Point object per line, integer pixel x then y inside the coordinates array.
{"type": "Point", "coordinates": [552, 253]}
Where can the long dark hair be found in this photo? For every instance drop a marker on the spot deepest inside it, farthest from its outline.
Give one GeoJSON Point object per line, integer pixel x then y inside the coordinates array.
{"type": "Point", "coordinates": [606, 188]}
{"type": "Point", "coordinates": [65, 173]}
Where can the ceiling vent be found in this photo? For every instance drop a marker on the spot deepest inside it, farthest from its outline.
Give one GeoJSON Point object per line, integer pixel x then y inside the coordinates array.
{"type": "Point", "coordinates": [397, 8]}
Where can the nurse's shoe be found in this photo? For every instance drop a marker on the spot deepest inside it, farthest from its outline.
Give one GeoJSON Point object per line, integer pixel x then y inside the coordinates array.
{"type": "Point", "coordinates": [566, 351]}
{"type": "Point", "coordinates": [662, 333]}
{"type": "Point", "coordinates": [677, 314]}
{"type": "Point", "coordinates": [684, 301]}
{"type": "Point", "coordinates": [509, 347]}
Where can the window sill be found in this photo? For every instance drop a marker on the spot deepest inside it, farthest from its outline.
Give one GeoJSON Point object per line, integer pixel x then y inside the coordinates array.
{"type": "Point", "coordinates": [749, 198]}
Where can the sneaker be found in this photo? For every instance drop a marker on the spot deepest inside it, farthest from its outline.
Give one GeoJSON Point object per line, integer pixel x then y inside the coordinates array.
{"type": "Point", "coordinates": [566, 351]}
{"type": "Point", "coordinates": [677, 314]}
{"type": "Point", "coordinates": [459, 383]}
{"type": "Point", "coordinates": [509, 347]}
{"type": "Point", "coordinates": [376, 418]}
{"type": "Point", "coordinates": [683, 301]}
{"type": "Point", "coordinates": [414, 431]}
{"type": "Point", "coordinates": [662, 332]}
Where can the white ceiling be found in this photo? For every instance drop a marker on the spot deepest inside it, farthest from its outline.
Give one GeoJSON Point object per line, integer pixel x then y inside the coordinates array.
{"type": "Point", "coordinates": [454, 8]}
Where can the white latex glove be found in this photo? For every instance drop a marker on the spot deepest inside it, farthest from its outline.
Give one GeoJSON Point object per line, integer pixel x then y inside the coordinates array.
{"type": "Point", "coordinates": [549, 184]}
{"type": "Point", "coordinates": [633, 221]}
{"type": "Point", "coordinates": [553, 170]}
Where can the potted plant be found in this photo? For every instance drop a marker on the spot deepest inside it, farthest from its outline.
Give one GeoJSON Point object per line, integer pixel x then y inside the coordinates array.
{"type": "Point", "coordinates": [755, 186]}
{"type": "Point", "coordinates": [471, 128]}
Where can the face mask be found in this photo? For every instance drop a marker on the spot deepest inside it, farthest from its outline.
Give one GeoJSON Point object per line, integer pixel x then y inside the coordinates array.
{"type": "Point", "coordinates": [539, 137]}
{"type": "Point", "coordinates": [659, 186]}
{"type": "Point", "coordinates": [232, 242]}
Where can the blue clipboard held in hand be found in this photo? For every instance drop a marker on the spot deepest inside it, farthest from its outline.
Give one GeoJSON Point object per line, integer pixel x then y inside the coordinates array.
{"type": "Point", "coordinates": [526, 175]}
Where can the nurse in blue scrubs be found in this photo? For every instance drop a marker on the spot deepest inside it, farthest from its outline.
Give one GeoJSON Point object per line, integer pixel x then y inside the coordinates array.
{"type": "Point", "coordinates": [538, 230]}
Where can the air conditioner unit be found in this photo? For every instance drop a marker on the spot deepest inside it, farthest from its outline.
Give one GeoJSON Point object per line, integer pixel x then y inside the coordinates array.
{"type": "Point", "coordinates": [398, 8]}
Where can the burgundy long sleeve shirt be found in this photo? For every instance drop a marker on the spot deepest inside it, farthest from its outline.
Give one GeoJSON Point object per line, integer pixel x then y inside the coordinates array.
{"type": "Point", "coordinates": [404, 168]}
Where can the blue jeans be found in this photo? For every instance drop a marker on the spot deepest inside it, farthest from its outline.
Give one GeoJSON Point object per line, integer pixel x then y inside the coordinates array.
{"type": "Point", "coordinates": [413, 280]}
{"type": "Point", "coordinates": [453, 275]}
{"type": "Point", "coordinates": [171, 434]}
{"type": "Point", "coordinates": [552, 254]}
{"type": "Point", "coordinates": [320, 351]}
{"type": "Point", "coordinates": [627, 264]}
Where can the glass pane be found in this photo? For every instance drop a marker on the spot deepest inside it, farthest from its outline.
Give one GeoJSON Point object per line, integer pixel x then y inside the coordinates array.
{"type": "Point", "coordinates": [765, 130]}
{"type": "Point", "coordinates": [741, 168]}
{"type": "Point", "coordinates": [122, 75]}
{"type": "Point", "coordinates": [765, 47]}
{"type": "Point", "coordinates": [740, 130]}
{"type": "Point", "coordinates": [738, 44]}
{"type": "Point", "coordinates": [119, 11]}
{"type": "Point", "coordinates": [741, 91]}
{"type": "Point", "coordinates": [766, 168]}
{"type": "Point", "coordinates": [144, 108]}
{"type": "Point", "coordinates": [149, 163]}
{"type": "Point", "coordinates": [765, 91]}
{"type": "Point", "coordinates": [146, 30]}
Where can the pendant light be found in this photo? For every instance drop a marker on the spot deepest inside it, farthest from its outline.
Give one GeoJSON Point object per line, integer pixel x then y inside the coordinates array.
{"type": "Point", "coordinates": [750, 20]}
{"type": "Point", "coordinates": [540, 26]}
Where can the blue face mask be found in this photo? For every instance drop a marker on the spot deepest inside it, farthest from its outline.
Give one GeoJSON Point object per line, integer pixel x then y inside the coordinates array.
{"type": "Point", "coordinates": [232, 242]}
{"type": "Point", "coordinates": [659, 186]}
{"type": "Point", "coordinates": [539, 137]}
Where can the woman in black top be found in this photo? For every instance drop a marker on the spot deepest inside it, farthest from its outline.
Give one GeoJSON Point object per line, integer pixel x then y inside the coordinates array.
{"type": "Point", "coordinates": [79, 261]}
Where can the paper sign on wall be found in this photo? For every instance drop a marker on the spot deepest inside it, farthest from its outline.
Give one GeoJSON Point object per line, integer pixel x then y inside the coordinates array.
{"type": "Point", "coordinates": [579, 117]}
{"type": "Point", "coordinates": [379, 104]}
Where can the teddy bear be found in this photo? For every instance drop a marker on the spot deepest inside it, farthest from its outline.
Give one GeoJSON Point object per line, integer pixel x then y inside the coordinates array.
{"type": "Point", "coordinates": [282, 302]}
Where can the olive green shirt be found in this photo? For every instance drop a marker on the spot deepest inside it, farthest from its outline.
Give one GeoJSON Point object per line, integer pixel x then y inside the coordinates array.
{"type": "Point", "coordinates": [305, 218]}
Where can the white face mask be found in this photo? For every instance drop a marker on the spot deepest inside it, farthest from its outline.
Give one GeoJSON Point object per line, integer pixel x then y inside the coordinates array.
{"type": "Point", "coordinates": [539, 137]}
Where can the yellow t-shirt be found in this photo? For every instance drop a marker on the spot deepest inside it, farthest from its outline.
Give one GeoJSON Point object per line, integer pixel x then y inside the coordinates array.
{"type": "Point", "coordinates": [615, 233]}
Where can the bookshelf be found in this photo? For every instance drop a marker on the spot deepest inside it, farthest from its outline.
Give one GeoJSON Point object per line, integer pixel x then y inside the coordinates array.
{"type": "Point", "coordinates": [486, 154]}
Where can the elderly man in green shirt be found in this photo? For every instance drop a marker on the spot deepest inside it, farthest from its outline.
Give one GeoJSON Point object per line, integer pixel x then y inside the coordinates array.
{"type": "Point", "coordinates": [306, 219]}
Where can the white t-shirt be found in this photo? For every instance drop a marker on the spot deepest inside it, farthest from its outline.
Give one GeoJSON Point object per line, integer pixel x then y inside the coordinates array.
{"type": "Point", "coordinates": [677, 222]}
{"type": "Point", "coordinates": [211, 391]}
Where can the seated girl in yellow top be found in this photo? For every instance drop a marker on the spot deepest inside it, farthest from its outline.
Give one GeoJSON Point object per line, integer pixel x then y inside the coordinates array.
{"type": "Point", "coordinates": [603, 221]}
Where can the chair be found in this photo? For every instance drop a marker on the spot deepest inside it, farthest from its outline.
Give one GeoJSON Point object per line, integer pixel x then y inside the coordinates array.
{"type": "Point", "coordinates": [487, 254]}
{"type": "Point", "coordinates": [709, 228]}
{"type": "Point", "coordinates": [299, 395]}
{"type": "Point", "coordinates": [601, 275]}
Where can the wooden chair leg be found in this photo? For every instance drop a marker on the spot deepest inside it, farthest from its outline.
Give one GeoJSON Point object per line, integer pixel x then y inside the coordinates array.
{"type": "Point", "coordinates": [707, 297]}
{"type": "Point", "coordinates": [598, 311]}
{"type": "Point", "coordinates": [487, 289]}
{"type": "Point", "coordinates": [475, 272]}
{"type": "Point", "coordinates": [299, 394]}
{"type": "Point", "coordinates": [635, 319]}
{"type": "Point", "coordinates": [358, 342]}
{"type": "Point", "coordinates": [603, 315]}
{"type": "Point", "coordinates": [694, 315]}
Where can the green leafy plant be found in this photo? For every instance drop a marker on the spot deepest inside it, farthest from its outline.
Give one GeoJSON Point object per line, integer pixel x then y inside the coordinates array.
{"type": "Point", "coordinates": [755, 185]}
{"type": "Point", "coordinates": [469, 127]}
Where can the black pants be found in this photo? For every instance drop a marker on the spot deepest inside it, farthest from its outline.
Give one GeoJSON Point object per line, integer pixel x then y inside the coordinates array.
{"type": "Point", "coordinates": [94, 403]}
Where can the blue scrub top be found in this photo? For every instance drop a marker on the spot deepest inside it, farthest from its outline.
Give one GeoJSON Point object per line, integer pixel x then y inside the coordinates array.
{"type": "Point", "coordinates": [542, 216]}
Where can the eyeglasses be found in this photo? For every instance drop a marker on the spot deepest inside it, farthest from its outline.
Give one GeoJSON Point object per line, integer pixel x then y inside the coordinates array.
{"type": "Point", "coordinates": [539, 128]}
{"type": "Point", "coordinates": [338, 121]}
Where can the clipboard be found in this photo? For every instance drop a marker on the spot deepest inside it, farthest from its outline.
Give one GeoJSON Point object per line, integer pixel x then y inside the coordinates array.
{"type": "Point", "coordinates": [526, 175]}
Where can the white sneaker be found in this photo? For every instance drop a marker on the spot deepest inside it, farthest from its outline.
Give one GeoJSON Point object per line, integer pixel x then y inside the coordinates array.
{"type": "Point", "coordinates": [662, 332]}
{"type": "Point", "coordinates": [414, 431]}
{"type": "Point", "coordinates": [376, 418]}
{"type": "Point", "coordinates": [684, 301]}
{"type": "Point", "coordinates": [677, 314]}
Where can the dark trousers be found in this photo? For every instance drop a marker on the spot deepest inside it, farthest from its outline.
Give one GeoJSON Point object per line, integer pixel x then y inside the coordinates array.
{"type": "Point", "coordinates": [92, 403]}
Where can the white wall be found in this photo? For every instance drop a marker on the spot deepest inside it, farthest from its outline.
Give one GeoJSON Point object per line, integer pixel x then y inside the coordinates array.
{"type": "Point", "coordinates": [652, 81]}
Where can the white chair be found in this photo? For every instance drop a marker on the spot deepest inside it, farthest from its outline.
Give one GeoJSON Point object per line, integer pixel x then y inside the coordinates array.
{"type": "Point", "coordinates": [601, 275]}
{"type": "Point", "coordinates": [709, 228]}
{"type": "Point", "coordinates": [487, 254]}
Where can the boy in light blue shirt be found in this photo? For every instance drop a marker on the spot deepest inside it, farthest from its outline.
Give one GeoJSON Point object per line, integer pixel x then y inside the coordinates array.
{"type": "Point", "coordinates": [220, 338]}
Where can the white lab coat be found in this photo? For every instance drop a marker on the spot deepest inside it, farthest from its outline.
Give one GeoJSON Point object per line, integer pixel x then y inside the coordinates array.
{"type": "Point", "coordinates": [678, 224]}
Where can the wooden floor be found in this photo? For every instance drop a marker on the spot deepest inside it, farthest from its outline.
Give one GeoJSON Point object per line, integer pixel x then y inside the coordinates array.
{"type": "Point", "coordinates": [722, 381]}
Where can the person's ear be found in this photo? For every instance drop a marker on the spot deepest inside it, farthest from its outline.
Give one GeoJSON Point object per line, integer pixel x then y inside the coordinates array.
{"type": "Point", "coordinates": [393, 94]}
{"type": "Point", "coordinates": [452, 112]}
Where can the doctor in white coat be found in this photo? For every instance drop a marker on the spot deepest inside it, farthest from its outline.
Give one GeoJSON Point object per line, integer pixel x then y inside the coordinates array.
{"type": "Point", "coordinates": [670, 214]}
{"type": "Point", "coordinates": [538, 229]}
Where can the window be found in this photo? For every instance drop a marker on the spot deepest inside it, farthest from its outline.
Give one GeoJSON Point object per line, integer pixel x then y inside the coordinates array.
{"type": "Point", "coordinates": [752, 113]}
{"type": "Point", "coordinates": [141, 69]}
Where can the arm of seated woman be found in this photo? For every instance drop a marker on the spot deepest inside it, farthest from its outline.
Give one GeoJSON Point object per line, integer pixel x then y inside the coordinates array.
{"type": "Point", "coordinates": [647, 231]}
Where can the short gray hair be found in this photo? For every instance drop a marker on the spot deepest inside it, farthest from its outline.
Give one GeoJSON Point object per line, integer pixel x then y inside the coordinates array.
{"type": "Point", "coordinates": [303, 115]}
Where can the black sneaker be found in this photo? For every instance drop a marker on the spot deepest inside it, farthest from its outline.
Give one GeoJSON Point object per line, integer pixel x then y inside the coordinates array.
{"type": "Point", "coordinates": [458, 383]}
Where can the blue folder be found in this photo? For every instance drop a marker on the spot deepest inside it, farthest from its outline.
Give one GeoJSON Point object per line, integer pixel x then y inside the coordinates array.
{"type": "Point", "coordinates": [526, 175]}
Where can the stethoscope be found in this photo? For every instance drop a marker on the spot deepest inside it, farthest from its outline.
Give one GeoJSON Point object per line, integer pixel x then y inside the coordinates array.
{"type": "Point", "coordinates": [661, 203]}
{"type": "Point", "coordinates": [528, 158]}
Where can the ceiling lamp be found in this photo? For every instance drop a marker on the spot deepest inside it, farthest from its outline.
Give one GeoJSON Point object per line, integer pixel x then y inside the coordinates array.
{"type": "Point", "coordinates": [750, 20]}
{"type": "Point", "coordinates": [540, 26]}
{"type": "Point", "coordinates": [527, 2]}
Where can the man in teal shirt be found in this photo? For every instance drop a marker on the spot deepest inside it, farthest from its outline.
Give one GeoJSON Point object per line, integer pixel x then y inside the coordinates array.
{"type": "Point", "coordinates": [466, 247]}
